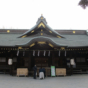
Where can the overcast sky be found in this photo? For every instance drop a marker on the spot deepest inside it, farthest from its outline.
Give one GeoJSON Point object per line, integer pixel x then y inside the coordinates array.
{"type": "Point", "coordinates": [59, 14]}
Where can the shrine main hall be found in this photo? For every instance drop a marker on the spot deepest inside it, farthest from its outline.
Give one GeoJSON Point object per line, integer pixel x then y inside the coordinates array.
{"type": "Point", "coordinates": [45, 47]}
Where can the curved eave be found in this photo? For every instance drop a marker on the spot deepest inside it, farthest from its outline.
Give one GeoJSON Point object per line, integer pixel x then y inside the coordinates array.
{"type": "Point", "coordinates": [59, 45]}
{"type": "Point", "coordinates": [76, 46]}
{"type": "Point", "coordinates": [47, 39]}
{"type": "Point", "coordinates": [53, 30]}
{"type": "Point", "coordinates": [28, 31]}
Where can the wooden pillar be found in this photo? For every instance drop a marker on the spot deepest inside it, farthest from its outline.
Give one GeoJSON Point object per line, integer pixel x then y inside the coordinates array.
{"type": "Point", "coordinates": [18, 62]}
{"type": "Point", "coordinates": [72, 54]}
{"type": "Point", "coordinates": [53, 58]}
{"type": "Point", "coordinates": [29, 61]}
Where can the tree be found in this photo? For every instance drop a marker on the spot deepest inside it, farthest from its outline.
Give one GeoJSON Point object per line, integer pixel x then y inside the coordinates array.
{"type": "Point", "coordinates": [83, 3]}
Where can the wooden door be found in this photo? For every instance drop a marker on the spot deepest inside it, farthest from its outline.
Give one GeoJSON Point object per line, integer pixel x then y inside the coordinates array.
{"type": "Point", "coordinates": [41, 62]}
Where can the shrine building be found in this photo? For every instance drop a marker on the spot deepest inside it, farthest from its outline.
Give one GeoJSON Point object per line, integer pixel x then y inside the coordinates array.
{"type": "Point", "coordinates": [44, 46]}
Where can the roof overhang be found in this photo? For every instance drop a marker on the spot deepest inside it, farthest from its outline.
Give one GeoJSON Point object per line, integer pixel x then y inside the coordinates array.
{"type": "Point", "coordinates": [41, 40]}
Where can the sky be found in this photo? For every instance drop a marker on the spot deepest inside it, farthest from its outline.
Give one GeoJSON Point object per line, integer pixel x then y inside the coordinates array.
{"type": "Point", "coordinates": [59, 14]}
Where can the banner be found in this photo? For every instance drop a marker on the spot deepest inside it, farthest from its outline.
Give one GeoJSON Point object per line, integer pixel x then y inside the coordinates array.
{"type": "Point", "coordinates": [44, 53]}
{"type": "Point", "coordinates": [33, 53]}
{"type": "Point", "coordinates": [53, 71]}
{"type": "Point", "coordinates": [38, 52]}
{"type": "Point", "coordinates": [59, 52]}
{"type": "Point", "coordinates": [17, 52]}
{"type": "Point", "coordinates": [49, 53]}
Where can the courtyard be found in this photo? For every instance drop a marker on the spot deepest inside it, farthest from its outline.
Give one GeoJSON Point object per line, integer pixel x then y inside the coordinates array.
{"type": "Point", "coordinates": [74, 81]}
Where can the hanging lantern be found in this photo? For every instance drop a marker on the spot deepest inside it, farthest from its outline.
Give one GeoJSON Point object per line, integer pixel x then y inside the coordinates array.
{"type": "Point", "coordinates": [9, 61]}
{"type": "Point", "coordinates": [72, 62]}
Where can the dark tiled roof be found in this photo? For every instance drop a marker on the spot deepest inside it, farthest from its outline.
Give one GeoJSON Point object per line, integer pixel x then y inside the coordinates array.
{"type": "Point", "coordinates": [13, 31]}
{"type": "Point", "coordinates": [69, 40]}
{"type": "Point", "coordinates": [21, 31]}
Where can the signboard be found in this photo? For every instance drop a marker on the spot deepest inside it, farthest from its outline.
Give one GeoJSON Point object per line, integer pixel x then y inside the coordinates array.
{"type": "Point", "coordinates": [53, 71]}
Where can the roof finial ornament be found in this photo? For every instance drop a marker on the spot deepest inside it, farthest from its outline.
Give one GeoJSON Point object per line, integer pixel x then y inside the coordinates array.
{"type": "Point", "coordinates": [41, 14]}
{"type": "Point", "coordinates": [41, 18]}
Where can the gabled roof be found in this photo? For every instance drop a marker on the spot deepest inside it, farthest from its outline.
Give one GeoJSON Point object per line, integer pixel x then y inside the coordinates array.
{"type": "Point", "coordinates": [76, 40]}
{"type": "Point", "coordinates": [41, 33]}
{"type": "Point", "coordinates": [42, 26]}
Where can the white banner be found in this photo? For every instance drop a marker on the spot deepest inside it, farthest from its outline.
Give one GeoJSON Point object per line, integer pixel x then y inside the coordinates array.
{"type": "Point", "coordinates": [33, 53]}
{"type": "Point", "coordinates": [44, 53]}
{"type": "Point", "coordinates": [59, 52]}
{"type": "Point", "coordinates": [38, 52]}
{"type": "Point", "coordinates": [18, 53]}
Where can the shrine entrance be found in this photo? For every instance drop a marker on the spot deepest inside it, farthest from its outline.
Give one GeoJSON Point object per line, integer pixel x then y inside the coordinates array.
{"type": "Point", "coordinates": [41, 61]}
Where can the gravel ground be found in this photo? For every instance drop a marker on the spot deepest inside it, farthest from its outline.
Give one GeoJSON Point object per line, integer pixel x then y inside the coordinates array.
{"type": "Point", "coordinates": [74, 81]}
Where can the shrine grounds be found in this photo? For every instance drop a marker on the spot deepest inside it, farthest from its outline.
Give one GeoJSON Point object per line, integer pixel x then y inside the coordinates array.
{"type": "Point", "coordinates": [74, 81]}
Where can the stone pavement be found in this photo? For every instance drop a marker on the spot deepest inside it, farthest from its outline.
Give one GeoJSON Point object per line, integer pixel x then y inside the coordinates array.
{"type": "Point", "coordinates": [74, 81]}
